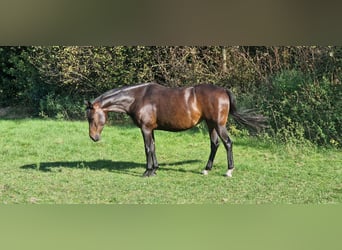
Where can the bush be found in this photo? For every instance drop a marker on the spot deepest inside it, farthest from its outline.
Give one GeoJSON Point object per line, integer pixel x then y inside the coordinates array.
{"type": "Point", "coordinates": [17, 76]}
{"type": "Point", "coordinates": [297, 87]}
{"type": "Point", "coordinates": [61, 107]}
{"type": "Point", "coordinates": [302, 108]}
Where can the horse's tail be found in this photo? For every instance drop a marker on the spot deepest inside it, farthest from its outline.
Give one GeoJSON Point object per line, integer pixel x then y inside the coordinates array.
{"type": "Point", "coordinates": [247, 117]}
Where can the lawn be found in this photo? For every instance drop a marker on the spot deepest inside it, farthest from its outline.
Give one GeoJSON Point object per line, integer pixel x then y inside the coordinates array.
{"type": "Point", "coordinates": [55, 162]}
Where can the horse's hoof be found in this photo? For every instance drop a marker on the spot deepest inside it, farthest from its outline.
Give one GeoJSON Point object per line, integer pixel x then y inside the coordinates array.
{"type": "Point", "coordinates": [149, 173]}
{"type": "Point", "coordinates": [146, 174]}
{"type": "Point", "coordinates": [205, 172]}
{"type": "Point", "coordinates": [229, 173]}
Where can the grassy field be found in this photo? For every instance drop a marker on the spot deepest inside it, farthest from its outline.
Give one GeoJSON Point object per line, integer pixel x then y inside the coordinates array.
{"type": "Point", "coordinates": [54, 162]}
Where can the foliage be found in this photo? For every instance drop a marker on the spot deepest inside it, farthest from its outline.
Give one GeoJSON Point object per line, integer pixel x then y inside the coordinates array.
{"type": "Point", "coordinates": [83, 70]}
{"type": "Point", "coordinates": [61, 107]}
{"type": "Point", "coordinates": [18, 78]}
{"type": "Point", "coordinates": [303, 108]}
{"type": "Point", "coordinates": [298, 87]}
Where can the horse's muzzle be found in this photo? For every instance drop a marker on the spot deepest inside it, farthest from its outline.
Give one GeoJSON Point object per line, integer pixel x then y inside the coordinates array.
{"type": "Point", "coordinates": [95, 138]}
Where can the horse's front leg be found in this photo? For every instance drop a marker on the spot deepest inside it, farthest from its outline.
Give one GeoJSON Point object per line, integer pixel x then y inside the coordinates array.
{"type": "Point", "coordinates": [150, 152]}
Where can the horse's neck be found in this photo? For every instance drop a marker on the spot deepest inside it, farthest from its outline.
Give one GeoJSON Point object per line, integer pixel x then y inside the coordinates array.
{"type": "Point", "coordinates": [118, 103]}
{"type": "Point", "coordinates": [120, 100]}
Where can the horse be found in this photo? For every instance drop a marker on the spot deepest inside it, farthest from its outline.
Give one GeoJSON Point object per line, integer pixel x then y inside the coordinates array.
{"type": "Point", "coordinates": [155, 107]}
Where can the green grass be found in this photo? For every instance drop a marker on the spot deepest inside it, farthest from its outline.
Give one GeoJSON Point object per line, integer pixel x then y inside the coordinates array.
{"type": "Point", "coordinates": [45, 161]}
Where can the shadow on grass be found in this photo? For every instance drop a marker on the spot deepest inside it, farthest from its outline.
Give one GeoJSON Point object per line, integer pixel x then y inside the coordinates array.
{"type": "Point", "coordinates": [107, 165]}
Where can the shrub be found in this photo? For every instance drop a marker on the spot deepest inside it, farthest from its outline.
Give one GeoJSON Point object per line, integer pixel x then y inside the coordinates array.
{"type": "Point", "coordinates": [297, 87]}
{"type": "Point", "coordinates": [17, 76]}
{"type": "Point", "coordinates": [61, 107]}
{"type": "Point", "coordinates": [303, 108]}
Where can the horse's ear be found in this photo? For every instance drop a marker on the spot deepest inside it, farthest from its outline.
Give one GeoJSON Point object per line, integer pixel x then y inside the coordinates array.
{"type": "Point", "coordinates": [88, 104]}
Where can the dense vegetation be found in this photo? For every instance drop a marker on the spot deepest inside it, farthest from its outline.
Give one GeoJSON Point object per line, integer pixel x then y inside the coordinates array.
{"type": "Point", "coordinates": [298, 88]}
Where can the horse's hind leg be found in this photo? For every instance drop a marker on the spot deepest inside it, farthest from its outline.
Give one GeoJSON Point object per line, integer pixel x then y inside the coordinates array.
{"type": "Point", "coordinates": [214, 143]}
{"type": "Point", "coordinates": [228, 144]}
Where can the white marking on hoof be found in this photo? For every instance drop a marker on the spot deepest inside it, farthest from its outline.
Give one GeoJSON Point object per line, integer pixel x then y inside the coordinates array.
{"type": "Point", "coordinates": [205, 172]}
{"type": "Point", "coordinates": [230, 173]}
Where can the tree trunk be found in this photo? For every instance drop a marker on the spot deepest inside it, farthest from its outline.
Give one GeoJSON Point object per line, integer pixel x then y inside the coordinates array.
{"type": "Point", "coordinates": [224, 60]}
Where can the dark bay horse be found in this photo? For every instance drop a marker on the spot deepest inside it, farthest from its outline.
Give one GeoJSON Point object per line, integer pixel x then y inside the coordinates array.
{"type": "Point", "coordinates": [155, 107]}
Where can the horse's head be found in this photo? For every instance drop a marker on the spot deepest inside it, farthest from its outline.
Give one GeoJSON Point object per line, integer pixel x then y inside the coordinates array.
{"type": "Point", "coordinates": [96, 118]}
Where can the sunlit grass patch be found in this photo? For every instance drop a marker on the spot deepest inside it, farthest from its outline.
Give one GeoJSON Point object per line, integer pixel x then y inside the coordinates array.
{"type": "Point", "coordinates": [46, 161]}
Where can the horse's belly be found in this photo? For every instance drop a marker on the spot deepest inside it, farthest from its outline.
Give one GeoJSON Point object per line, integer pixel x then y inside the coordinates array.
{"type": "Point", "coordinates": [177, 121]}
